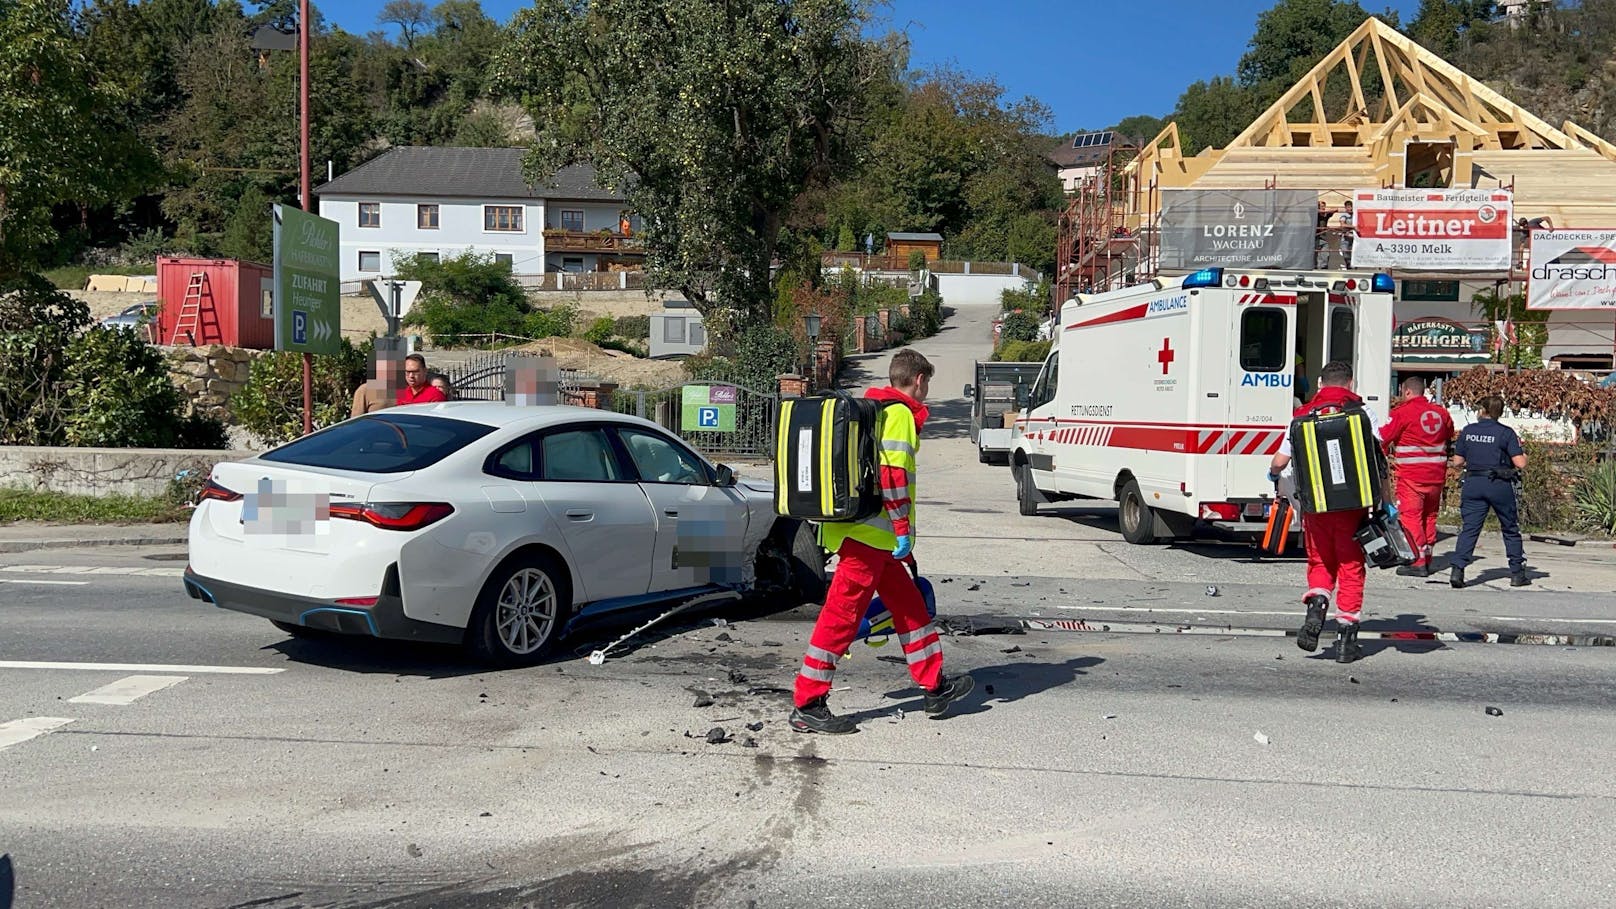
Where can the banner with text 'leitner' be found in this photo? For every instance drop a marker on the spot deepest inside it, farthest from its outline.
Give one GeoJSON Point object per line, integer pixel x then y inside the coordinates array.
{"type": "Point", "coordinates": [1432, 230]}
{"type": "Point", "coordinates": [1572, 269]}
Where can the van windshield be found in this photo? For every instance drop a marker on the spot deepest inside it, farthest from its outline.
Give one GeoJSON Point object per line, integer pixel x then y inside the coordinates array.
{"type": "Point", "coordinates": [381, 443]}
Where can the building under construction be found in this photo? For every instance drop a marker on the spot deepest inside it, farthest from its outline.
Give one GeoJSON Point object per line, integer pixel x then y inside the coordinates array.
{"type": "Point", "coordinates": [1378, 112]}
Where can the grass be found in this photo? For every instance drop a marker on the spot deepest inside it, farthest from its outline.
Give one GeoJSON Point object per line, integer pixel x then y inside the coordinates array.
{"type": "Point", "coordinates": [74, 277]}
{"type": "Point", "coordinates": [61, 508]}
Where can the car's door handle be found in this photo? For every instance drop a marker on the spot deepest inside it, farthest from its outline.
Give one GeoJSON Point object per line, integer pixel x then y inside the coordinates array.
{"type": "Point", "coordinates": [580, 514]}
{"type": "Point", "coordinates": [671, 512]}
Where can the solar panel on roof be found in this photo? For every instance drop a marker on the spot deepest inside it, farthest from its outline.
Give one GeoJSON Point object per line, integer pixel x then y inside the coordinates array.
{"type": "Point", "coordinates": [1091, 140]}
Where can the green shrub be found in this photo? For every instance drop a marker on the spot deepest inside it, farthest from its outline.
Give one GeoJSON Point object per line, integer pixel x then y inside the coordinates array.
{"type": "Point", "coordinates": [1018, 326]}
{"type": "Point", "coordinates": [468, 294]}
{"type": "Point", "coordinates": [762, 354]}
{"type": "Point", "coordinates": [122, 396]}
{"type": "Point", "coordinates": [37, 323]}
{"type": "Point", "coordinates": [926, 314]}
{"type": "Point", "coordinates": [635, 328]}
{"type": "Point", "coordinates": [271, 405]}
{"type": "Point", "coordinates": [1022, 352]}
{"type": "Point", "coordinates": [633, 348]}
{"type": "Point", "coordinates": [1595, 500]}
{"type": "Point", "coordinates": [917, 260]}
{"type": "Point", "coordinates": [600, 330]}
{"type": "Point", "coordinates": [551, 323]}
{"type": "Point", "coordinates": [1032, 297]}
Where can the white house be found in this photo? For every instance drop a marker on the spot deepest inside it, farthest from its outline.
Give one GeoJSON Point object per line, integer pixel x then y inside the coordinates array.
{"type": "Point", "coordinates": [1079, 159]}
{"type": "Point", "coordinates": [436, 201]}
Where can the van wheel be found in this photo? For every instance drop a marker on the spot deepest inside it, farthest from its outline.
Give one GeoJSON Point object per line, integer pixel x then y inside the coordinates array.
{"type": "Point", "coordinates": [1137, 520]}
{"type": "Point", "coordinates": [520, 612]}
{"type": "Point", "coordinates": [1026, 492]}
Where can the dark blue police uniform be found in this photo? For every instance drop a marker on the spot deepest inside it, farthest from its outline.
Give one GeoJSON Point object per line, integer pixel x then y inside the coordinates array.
{"type": "Point", "coordinates": [1488, 448]}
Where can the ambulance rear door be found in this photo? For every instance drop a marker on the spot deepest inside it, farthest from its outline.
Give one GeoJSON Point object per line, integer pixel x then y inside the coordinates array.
{"type": "Point", "coordinates": [1263, 394]}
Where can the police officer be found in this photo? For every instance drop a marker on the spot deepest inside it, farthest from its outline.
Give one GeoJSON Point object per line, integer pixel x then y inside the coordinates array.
{"type": "Point", "coordinates": [1490, 455]}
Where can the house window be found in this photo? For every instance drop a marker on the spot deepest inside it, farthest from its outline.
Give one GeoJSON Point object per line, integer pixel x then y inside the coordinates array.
{"type": "Point", "coordinates": [370, 261]}
{"type": "Point", "coordinates": [426, 217]}
{"type": "Point", "coordinates": [503, 259]}
{"type": "Point", "coordinates": [504, 218]}
{"type": "Point", "coordinates": [370, 214]}
{"type": "Point", "coordinates": [572, 263]}
{"type": "Point", "coordinates": [572, 220]}
{"type": "Point", "coordinates": [427, 257]}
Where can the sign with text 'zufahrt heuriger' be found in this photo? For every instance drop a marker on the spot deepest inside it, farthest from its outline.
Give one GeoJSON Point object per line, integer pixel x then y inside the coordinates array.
{"type": "Point", "coordinates": [1238, 228]}
{"type": "Point", "coordinates": [308, 302]}
{"type": "Point", "coordinates": [1432, 230]}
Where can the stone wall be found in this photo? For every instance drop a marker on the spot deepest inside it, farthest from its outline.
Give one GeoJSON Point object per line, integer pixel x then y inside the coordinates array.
{"type": "Point", "coordinates": [103, 471]}
{"type": "Point", "coordinates": [209, 376]}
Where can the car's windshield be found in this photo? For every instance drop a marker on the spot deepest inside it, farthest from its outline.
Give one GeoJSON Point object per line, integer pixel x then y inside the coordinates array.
{"type": "Point", "coordinates": [381, 443]}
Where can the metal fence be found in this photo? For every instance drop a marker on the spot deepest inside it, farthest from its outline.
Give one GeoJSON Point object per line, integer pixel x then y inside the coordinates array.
{"type": "Point", "coordinates": [482, 378]}
{"type": "Point", "coordinates": [753, 436]}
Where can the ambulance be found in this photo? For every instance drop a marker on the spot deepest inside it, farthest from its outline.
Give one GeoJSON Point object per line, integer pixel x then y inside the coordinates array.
{"type": "Point", "coordinates": [1172, 397]}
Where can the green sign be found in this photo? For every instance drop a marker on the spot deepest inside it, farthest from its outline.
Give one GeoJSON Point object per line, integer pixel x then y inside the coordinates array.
{"type": "Point", "coordinates": [708, 408]}
{"type": "Point", "coordinates": [1435, 340]}
{"type": "Point", "coordinates": [308, 277]}
{"type": "Point", "coordinates": [1430, 291]}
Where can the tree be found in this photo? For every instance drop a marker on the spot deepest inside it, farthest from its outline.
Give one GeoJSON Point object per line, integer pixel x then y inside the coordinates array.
{"type": "Point", "coordinates": [1293, 36]}
{"type": "Point", "coordinates": [711, 116]}
{"type": "Point", "coordinates": [1441, 26]}
{"type": "Point", "coordinates": [1212, 113]}
{"type": "Point", "coordinates": [1141, 127]}
{"type": "Point", "coordinates": [64, 132]}
{"type": "Point", "coordinates": [409, 15]}
{"type": "Point", "coordinates": [249, 232]}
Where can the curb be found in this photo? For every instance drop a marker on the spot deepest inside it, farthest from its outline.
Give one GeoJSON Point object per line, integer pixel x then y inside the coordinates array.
{"type": "Point", "coordinates": [15, 546]}
{"type": "Point", "coordinates": [1557, 539]}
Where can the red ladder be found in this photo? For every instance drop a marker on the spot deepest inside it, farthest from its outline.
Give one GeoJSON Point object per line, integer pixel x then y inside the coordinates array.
{"type": "Point", "coordinates": [189, 320]}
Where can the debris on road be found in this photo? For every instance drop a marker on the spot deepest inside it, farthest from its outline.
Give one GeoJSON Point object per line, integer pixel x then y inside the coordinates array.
{"type": "Point", "coordinates": [1011, 650]}
{"type": "Point", "coordinates": [1261, 739]}
{"type": "Point", "coordinates": [974, 587]}
{"type": "Point", "coordinates": [413, 850]}
{"type": "Point", "coordinates": [749, 742]}
{"type": "Point", "coordinates": [736, 677]}
{"type": "Point", "coordinates": [1108, 716]}
{"type": "Point", "coordinates": [1494, 711]}
{"type": "Point", "coordinates": [1211, 590]}
{"type": "Point", "coordinates": [717, 736]}
{"type": "Point", "coordinates": [755, 727]}
{"type": "Point", "coordinates": [1353, 679]}
{"type": "Point", "coordinates": [981, 624]}
{"type": "Point", "coordinates": [724, 636]}
{"type": "Point", "coordinates": [703, 699]}
{"type": "Point", "coordinates": [773, 644]}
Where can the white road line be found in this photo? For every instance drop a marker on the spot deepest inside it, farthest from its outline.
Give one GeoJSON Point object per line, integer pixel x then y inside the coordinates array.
{"type": "Point", "coordinates": [105, 570]}
{"type": "Point", "coordinates": [18, 731]}
{"type": "Point", "coordinates": [1293, 612]}
{"type": "Point", "coordinates": [127, 690]}
{"type": "Point", "coordinates": [50, 583]}
{"type": "Point", "coordinates": [140, 667]}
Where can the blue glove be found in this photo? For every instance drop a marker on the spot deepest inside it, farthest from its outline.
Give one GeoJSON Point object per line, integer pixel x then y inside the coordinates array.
{"type": "Point", "coordinates": [906, 545]}
{"type": "Point", "coordinates": [1273, 477]}
{"type": "Point", "coordinates": [1391, 510]}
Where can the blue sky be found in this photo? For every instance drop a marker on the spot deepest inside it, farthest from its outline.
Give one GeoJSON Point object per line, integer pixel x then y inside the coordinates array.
{"type": "Point", "coordinates": [1092, 61]}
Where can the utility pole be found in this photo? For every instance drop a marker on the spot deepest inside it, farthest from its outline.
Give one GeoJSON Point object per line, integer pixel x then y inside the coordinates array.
{"type": "Point", "coordinates": [303, 25]}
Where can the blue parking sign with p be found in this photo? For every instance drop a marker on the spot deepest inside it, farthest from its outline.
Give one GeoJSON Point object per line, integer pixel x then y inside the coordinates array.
{"type": "Point", "coordinates": [300, 327]}
{"type": "Point", "coordinates": [707, 417]}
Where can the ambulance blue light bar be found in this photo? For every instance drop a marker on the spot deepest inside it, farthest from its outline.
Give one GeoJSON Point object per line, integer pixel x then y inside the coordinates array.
{"type": "Point", "coordinates": [1206, 277]}
{"type": "Point", "coordinates": [1383, 284]}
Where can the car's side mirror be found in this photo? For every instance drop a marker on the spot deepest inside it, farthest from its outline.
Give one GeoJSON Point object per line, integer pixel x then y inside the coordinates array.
{"type": "Point", "coordinates": [725, 477]}
{"type": "Point", "coordinates": [970, 391]}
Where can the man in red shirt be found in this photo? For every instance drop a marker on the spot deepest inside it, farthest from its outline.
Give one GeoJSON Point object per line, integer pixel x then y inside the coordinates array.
{"type": "Point", "coordinates": [417, 383]}
{"type": "Point", "coordinates": [1417, 437]}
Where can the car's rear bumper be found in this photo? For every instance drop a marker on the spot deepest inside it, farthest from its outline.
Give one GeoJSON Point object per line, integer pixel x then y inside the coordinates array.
{"type": "Point", "coordinates": [385, 619]}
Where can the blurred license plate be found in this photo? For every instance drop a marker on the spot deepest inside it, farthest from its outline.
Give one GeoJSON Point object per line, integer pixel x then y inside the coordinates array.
{"type": "Point", "coordinates": [274, 510]}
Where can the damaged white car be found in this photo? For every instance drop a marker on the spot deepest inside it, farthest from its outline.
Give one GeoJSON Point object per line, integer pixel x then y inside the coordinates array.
{"type": "Point", "coordinates": [488, 525]}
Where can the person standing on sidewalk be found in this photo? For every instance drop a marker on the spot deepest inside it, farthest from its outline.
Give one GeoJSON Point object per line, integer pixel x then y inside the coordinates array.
{"type": "Point", "coordinates": [1418, 436]}
{"type": "Point", "coordinates": [1492, 459]}
{"type": "Point", "coordinates": [1335, 560]}
{"type": "Point", "coordinates": [872, 555]}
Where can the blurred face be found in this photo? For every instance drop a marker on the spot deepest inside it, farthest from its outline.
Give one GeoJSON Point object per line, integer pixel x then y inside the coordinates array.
{"type": "Point", "coordinates": [441, 384]}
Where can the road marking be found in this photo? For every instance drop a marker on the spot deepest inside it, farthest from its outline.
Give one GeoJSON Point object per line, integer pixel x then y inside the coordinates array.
{"type": "Point", "coordinates": [103, 570]}
{"type": "Point", "coordinates": [127, 690]}
{"type": "Point", "coordinates": [140, 667]}
{"type": "Point", "coordinates": [18, 731]}
{"type": "Point", "coordinates": [1293, 612]}
{"type": "Point", "coordinates": [50, 583]}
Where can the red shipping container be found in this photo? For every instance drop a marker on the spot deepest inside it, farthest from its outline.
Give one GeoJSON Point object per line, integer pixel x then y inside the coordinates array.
{"type": "Point", "coordinates": [232, 303]}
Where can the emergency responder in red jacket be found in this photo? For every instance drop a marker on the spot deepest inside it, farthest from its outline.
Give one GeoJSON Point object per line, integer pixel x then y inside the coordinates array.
{"type": "Point", "coordinates": [871, 553]}
{"type": "Point", "coordinates": [1335, 559]}
{"type": "Point", "coordinates": [1417, 437]}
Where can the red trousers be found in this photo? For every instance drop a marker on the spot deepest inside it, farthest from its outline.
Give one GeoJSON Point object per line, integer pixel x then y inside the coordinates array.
{"type": "Point", "coordinates": [1417, 505]}
{"type": "Point", "coordinates": [1335, 561]}
{"type": "Point", "coordinates": [863, 572]}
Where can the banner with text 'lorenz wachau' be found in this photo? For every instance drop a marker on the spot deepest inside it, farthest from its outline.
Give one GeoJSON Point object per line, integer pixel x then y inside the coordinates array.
{"type": "Point", "coordinates": [1572, 269]}
{"type": "Point", "coordinates": [1247, 228]}
{"type": "Point", "coordinates": [1432, 230]}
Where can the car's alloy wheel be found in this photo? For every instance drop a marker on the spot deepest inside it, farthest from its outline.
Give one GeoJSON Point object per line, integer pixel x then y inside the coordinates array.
{"type": "Point", "coordinates": [525, 614]}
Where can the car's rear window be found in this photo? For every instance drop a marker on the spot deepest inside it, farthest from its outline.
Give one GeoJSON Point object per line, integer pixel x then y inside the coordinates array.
{"type": "Point", "coordinates": [381, 443]}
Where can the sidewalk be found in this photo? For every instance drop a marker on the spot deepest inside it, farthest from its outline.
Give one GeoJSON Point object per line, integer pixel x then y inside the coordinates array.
{"type": "Point", "coordinates": [30, 537]}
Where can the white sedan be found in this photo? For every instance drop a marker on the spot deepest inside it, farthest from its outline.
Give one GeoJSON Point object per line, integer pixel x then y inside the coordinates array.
{"type": "Point", "coordinates": [488, 525]}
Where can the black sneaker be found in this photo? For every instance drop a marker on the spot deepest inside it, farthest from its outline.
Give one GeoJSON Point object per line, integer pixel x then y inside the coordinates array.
{"type": "Point", "coordinates": [951, 690]}
{"type": "Point", "coordinates": [816, 717]}
{"type": "Point", "coordinates": [1414, 571]}
{"type": "Point", "coordinates": [1456, 578]}
{"type": "Point", "coordinates": [1347, 648]}
{"type": "Point", "coordinates": [1519, 579]}
{"type": "Point", "coordinates": [1312, 626]}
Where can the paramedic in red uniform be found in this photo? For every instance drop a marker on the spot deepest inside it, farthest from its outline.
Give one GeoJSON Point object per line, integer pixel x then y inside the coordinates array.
{"type": "Point", "coordinates": [1335, 560]}
{"type": "Point", "coordinates": [870, 554]}
{"type": "Point", "coordinates": [1417, 437]}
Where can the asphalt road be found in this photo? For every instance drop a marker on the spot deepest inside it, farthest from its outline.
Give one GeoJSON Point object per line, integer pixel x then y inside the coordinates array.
{"type": "Point", "coordinates": [155, 751]}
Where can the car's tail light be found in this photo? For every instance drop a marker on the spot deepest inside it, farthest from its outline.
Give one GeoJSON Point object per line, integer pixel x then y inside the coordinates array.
{"type": "Point", "coordinates": [215, 491]}
{"type": "Point", "coordinates": [394, 515]}
{"type": "Point", "coordinates": [1220, 511]}
{"type": "Point", "coordinates": [358, 601]}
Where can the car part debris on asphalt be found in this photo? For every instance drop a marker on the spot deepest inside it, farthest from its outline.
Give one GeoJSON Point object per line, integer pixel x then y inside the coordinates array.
{"type": "Point", "coordinates": [599, 656]}
{"type": "Point", "coordinates": [1494, 711]}
{"type": "Point", "coordinates": [717, 736]}
{"type": "Point", "coordinates": [1261, 739]}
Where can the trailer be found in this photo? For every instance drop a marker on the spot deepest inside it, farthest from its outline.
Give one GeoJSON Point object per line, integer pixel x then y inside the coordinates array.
{"type": "Point", "coordinates": [1172, 397]}
{"type": "Point", "coordinates": [1000, 389]}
